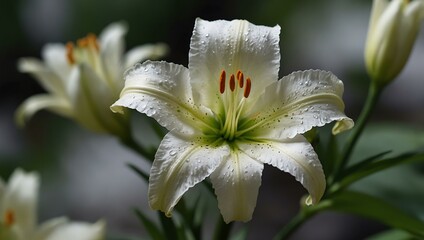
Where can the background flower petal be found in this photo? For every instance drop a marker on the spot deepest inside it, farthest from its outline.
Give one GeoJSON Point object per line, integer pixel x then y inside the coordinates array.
{"type": "Point", "coordinates": [44, 75]}
{"type": "Point", "coordinates": [144, 52]}
{"type": "Point", "coordinates": [47, 228]}
{"type": "Point", "coordinates": [112, 47]}
{"type": "Point", "coordinates": [42, 101]}
{"type": "Point", "coordinates": [55, 58]}
{"type": "Point", "coordinates": [21, 198]}
{"type": "Point", "coordinates": [92, 100]}
{"type": "Point", "coordinates": [180, 164]}
{"type": "Point", "coordinates": [236, 183]}
{"type": "Point", "coordinates": [78, 230]}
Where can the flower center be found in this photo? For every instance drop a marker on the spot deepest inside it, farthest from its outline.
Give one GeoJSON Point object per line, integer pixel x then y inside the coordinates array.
{"type": "Point", "coordinates": [9, 218]}
{"type": "Point", "coordinates": [234, 100]}
{"type": "Point", "coordinates": [87, 50]}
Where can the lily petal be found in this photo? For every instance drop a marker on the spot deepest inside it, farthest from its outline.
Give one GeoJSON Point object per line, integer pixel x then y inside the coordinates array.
{"type": "Point", "coordinates": [92, 100]}
{"type": "Point", "coordinates": [55, 58]}
{"type": "Point", "coordinates": [112, 45]}
{"type": "Point", "coordinates": [78, 230]}
{"type": "Point", "coordinates": [298, 102]}
{"type": "Point", "coordinates": [295, 156]}
{"type": "Point", "coordinates": [144, 52]}
{"type": "Point", "coordinates": [180, 164]}
{"type": "Point", "coordinates": [377, 10]}
{"type": "Point", "coordinates": [44, 75]}
{"type": "Point", "coordinates": [49, 227]}
{"type": "Point", "coordinates": [161, 90]}
{"type": "Point", "coordinates": [21, 199]}
{"type": "Point", "coordinates": [232, 46]}
{"type": "Point", "coordinates": [236, 183]}
{"type": "Point", "coordinates": [42, 101]}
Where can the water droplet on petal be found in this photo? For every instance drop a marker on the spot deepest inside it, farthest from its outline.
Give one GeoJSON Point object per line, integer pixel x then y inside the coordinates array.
{"type": "Point", "coordinates": [173, 153]}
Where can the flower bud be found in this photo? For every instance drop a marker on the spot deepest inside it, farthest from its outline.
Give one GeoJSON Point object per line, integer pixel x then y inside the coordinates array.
{"type": "Point", "coordinates": [392, 32]}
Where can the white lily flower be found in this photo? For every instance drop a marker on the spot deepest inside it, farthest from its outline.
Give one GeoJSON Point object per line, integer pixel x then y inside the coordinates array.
{"type": "Point", "coordinates": [228, 115]}
{"type": "Point", "coordinates": [18, 214]}
{"type": "Point", "coordinates": [83, 80]}
{"type": "Point", "coordinates": [392, 31]}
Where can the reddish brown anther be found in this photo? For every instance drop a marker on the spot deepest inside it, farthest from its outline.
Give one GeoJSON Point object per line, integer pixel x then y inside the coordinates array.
{"type": "Point", "coordinates": [247, 89]}
{"type": "Point", "coordinates": [222, 82]}
{"type": "Point", "coordinates": [232, 83]}
{"type": "Point", "coordinates": [240, 78]}
{"type": "Point", "coordinates": [70, 53]}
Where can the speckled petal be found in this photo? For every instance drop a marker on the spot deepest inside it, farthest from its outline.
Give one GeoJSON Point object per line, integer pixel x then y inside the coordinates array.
{"type": "Point", "coordinates": [295, 156]}
{"type": "Point", "coordinates": [298, 102]}
{"type": "Point", "coordinates": [231, 46]}
{"type": "Point", "coordinates": [236, 183]}
{"type": "Point", "coordinates": [180, 164]}
{"type": "Point", "coordinates": [161, 90]}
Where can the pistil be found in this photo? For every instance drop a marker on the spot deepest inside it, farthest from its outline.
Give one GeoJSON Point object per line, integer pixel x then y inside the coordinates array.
{"type": "Point", "coordinates": [233, 102]}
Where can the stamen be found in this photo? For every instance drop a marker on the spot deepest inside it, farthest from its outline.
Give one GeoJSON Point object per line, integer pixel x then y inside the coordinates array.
{"type": "Point", "coordinates": [240, 78]}
{"type": "Point", "coordinates": [9, 218]}
{"type": "Point", "coordinates": [247, 89]}
{"type": "Point", "coordinates": [222, 82]}
{"type": "Point", "coordinates": [70, 53]}
{"type": "Point", "coordinates": [82, 42]}
{"type": "Point", "coordinates": [232, 83]}
{"type": "Point", "coordinates": [92, 39]}
{"type": "Point", "coordinates": [89, 41]}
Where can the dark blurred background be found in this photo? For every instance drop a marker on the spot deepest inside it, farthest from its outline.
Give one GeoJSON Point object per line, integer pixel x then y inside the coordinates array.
{"type": "Point", "coordinates": [84, 175]}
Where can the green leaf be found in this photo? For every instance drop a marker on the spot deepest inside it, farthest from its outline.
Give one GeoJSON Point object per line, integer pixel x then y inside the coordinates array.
{"type": "Point", "coordinates": [393, 235]}
{"type": "Point", "coordinates": [365, 170]}
{"type": "Point", "coordinates": [377, 209]}
{"type": "Point", "coordinates": [363, 164]}
{"type": "Point", "coordinates": [140, 172]}
{"type": "Point", "coordinates": [151, 227]}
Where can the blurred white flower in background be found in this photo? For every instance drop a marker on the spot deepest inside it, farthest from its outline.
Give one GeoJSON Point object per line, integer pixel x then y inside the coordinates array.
{"type": "Point", "coordinates": [18, 212]}
{"type": "Point", "coordinates": [85, 78]}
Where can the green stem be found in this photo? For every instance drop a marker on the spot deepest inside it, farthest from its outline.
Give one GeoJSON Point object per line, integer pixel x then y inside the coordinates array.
{"type": "Point", "coordinates": [302, 216]}
{"type": "Point", "coordinates": [294, 224]}
{"type": "Point", "coordinates": [222, 229]}
{"type": "Point", "coordinates": [372, 98]}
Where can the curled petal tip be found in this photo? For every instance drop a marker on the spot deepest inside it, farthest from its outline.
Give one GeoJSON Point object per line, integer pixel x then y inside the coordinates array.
{"type": "Point", "coordinates": [342, 125]}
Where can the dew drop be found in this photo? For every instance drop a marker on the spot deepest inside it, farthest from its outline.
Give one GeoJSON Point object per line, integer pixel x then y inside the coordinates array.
{"type": "Point", "coordinates": [173, 153]}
